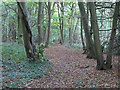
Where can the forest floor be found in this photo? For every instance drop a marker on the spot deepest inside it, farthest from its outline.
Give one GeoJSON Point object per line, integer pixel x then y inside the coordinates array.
{"type": "Point", "coordinates": [71, 69]}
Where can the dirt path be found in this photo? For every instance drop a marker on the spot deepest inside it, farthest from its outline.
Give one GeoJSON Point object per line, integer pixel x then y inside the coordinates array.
{"type": "Point", "coordinates": [72, 69]}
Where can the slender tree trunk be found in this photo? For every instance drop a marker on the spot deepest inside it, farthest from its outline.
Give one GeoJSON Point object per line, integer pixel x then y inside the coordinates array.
{"type": "Point", "coordinates": [14, 33]}
{"type": "Point", "coordinates": [73, 22]}
{"type": "Point", "coordinates": [76, 35]}
{"type": "Point", "coordinates": [70, 33]}
{"type": "Point", "coordinates": [59, 20]}
{"type": "Point", "coordinates": [27, 33]}
{"type": "Point", "coordinates": [89, 41]}
{"type": "Point", "coordinates": [113, 33]}
{"type": "Point", "coordinates": [20, 27]}
{"type": "Point", "coordinates": [61, 23]}
{"type": "Point", "coordinates": [4, 31]}
{"type": "Point", "coordinates": [62, 10]}
{"type": "Point", "coordinates": [44, 35]}
{"type": "Point", "coordinates": [44, 27]}
{"type": "Point", "coordinates": [71, 26]}
{"type": "Point", "coordinates": [97, 44]}
{"type": "Point", "coordinates": [40, 23]}
{"type": "Point", "coordinates": [82, 36]}
{"type": "Point", "coordinates": [77, 23]}
{"type": "Point", "coordinates": [10, 31]}
{"type": "Point", "coordinates": [49, 23]}
{"type": "Point", "coordinates": [4, 25]}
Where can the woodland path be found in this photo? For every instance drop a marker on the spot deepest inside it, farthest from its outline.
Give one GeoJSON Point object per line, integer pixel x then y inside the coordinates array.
{"type": "Point", "coordinates": [71, 69]}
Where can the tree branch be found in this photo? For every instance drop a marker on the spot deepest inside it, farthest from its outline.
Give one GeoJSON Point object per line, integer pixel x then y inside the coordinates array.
{"type": "Point", "coordinates": [11, 8]}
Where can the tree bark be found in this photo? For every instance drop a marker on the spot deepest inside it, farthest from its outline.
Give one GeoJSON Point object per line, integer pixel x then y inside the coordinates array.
{"type": "Point", "coordinates": [4, 24]}
{"type": "Point", "coordinates": [113, 33]}
{"type": "Point", "coordinates": [71, 26]}
{"type": "Point", "coordinates": [60, 21]}
{"type": "Point", "coordinates": [20, 27]}
{"type": "Point", "coordinates": [70, 33]}
{"type": "Point", "coordinates": [11, 31]}
{"type": "Point", "coordinates": [62, 14]}
{"type": "Point", "coordinates": [4, 28]}
{"type": "Point", "coordinates": [49, 23]}
{"type": "Point", "coordinates": [82, 36]}
{"type": "Point", "coordinates": [27, 33]}
{"type": "Point", "coordinates": [89, 41]}
{"type": "Point", "coordinates": [44, 27]}
{"type": "Point", "coordinates": [40, 23]}
{"type": "Point", "coordinates": [97, 44]}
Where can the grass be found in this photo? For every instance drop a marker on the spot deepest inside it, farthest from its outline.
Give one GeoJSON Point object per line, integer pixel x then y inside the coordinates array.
{"type": "Point", "coordinates": [17, 71]}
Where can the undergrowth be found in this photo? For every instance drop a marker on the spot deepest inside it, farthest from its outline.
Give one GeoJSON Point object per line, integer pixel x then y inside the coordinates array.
{"type": "Point", "coordinates": [17, 71]}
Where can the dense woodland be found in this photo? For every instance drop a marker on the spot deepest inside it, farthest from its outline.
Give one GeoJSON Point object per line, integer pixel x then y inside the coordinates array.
{"type": "Point", "coordinates": [37, 37]}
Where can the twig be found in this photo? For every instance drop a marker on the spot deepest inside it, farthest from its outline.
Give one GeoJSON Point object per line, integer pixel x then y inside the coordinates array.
{"type": "Point", "coordinates": [11, 8]}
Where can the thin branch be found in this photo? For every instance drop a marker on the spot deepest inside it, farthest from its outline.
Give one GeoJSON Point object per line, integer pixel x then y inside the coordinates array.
{"type": "Point", "coordinates": [11, 8]}
{"type": "Point", "coordinates": [110, 29]}
{"type": "Point", "coordinates": [100, 6]}
{"type": "Point", "coordinates": [53, 8]}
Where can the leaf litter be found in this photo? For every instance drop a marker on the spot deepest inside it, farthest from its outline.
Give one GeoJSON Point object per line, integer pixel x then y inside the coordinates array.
{"type": "Point", "coordinates": [71, 69]}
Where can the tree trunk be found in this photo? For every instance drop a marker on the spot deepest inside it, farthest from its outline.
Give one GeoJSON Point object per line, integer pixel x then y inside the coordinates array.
{"type": "Point", "coordinates": [10, 35]}
{"type": "Point", "coordinates": [4, 24]}
{"type": "Point", "coordinates": [82, 36]}
{"type": "Point", "coordinates": [77, 23]}
{"type": "Point", "coordinates": [44, 27]}
{"type": "Point", "coordinates": [70, 33]}
{"type": "Point", "coordinates": [4, 29]}
{"type": "Point", "coordinates": [113, 33]}
{"type": "Point", "coordinates": [89, 41]}
{"type": "Point", "coordinates": [20, 27]}
{"type": "Point", "coordinates": [40, 23]}
{"type": "Point", "coordinates": [14, 34]}
{"type": "Point", "coordinates": [27, 33]}
{"type": "Point", "coordinates": [71, 26]}
{"type": "Point", "coordinates": [60, 22]}
{"type": "Point", "coordinates": [75, 32]}
{"type": "Point", "coordinates": [62, 14]}
{"type": "Point", "coordinates": [49, 24]}
{"type": "Point", "coordinates": [44, 34]}
{"type": "Point", "coordinates": [97, 44]}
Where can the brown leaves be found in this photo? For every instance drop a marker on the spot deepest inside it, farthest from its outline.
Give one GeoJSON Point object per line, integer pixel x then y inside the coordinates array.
{"type": "Point", "coordinates": [72, 69]}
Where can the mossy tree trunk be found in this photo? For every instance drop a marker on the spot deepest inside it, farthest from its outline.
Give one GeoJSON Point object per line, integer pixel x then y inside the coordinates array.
{"type": "Point", "coordinates": [81, 33]}
{"type": "Point", "coordinates": [40, 23]}
{"type": "Point", "coordinates": [49, 24]}
{"type": "Point", "coordinates": [113, 33]}
{"type": "Point", "coordinates": [27, 33]}
{"type": "Point", "coordinates": [20, 27]}
{"type": "Point", "coordinates": [89, 41]}
{"type": "Point", "coordinates": [97, 44]}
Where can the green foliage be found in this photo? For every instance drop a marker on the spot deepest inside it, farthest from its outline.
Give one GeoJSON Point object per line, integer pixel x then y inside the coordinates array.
{"type": "Point", "coordinates": [39, 52]}
{"type": "Point", "coordinates": [13, 51]}
{"type": "Point", "coordinates": [16, 69]}
{"type": "Point", "coordinates": [77, 46]}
